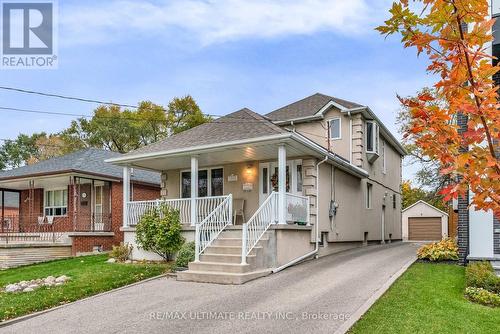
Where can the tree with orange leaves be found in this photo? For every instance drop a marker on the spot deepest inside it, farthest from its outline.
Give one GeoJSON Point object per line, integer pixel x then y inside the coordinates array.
{"type": "Point", "coordinates": [456, 37]}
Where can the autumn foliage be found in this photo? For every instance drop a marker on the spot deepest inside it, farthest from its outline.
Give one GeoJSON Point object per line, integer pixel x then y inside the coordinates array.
{"type": "Point", "coordinates": [456, 37]}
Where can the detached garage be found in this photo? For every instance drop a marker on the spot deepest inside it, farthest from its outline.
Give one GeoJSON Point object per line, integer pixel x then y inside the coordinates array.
{"type": "Point", "coordinates": [424, 222]}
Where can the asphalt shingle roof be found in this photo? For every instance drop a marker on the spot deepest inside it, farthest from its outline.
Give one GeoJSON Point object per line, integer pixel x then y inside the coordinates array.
{"type": "Point", "coordinates": [307, 107]}
{"type": "Point", "coordinates": [239, 125]}
{"type": "Point", "coordinates": [89, 161]}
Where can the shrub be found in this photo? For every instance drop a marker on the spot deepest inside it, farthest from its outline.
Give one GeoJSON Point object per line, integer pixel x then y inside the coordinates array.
{"type": "Point", "coordinates": [482, 275]}
{"type": "Point", "coordinates": [444, 250]}
{"type": "Point", "coordinates": [482, 296]}
{"type": "Point", "coordinates": [159, 231]}
{"type": "Point", "coordinates": [185, 255]}
{"type": "Point", "coordinates": [121, 253]}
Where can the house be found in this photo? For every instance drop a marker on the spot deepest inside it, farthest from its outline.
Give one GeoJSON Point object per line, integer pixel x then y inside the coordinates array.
{"type": "Point", "coordinates": [315, 177]}
{"type": "Point", "coordinates": [479, 231]}
{"type": "Point", "coordinates": [72, 202]}
{"type": "Point", "coordinates": [424, 222]}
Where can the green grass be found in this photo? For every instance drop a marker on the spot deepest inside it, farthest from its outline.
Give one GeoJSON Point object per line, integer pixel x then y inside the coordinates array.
{"type": "Point", "coordinates": [89, 275]}
{"type": "Point", "coordinates": [428, 298]}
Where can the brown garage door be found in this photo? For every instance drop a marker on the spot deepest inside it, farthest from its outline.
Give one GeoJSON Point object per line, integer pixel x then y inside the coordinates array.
{"type": "Point", "coordinates": [424, 228]}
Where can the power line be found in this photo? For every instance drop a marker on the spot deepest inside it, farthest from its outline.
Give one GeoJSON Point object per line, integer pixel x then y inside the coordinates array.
{"type": "Point", "coordinates": [123, 118]}
{"type": "Point", "coordinates": [80, 99]}
{"type": "Point", "coordinates": [66, 97]}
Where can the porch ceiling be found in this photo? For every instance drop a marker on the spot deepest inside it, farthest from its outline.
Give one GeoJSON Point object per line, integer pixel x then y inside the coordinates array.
{"type": "Point", "coordinates": [46, 182]}
{"type": "Point", "coordinates": [225, 155]}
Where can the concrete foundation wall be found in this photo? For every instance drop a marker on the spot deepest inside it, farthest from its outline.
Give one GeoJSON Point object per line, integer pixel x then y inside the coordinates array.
{"type": "Point", "coordinates": [140, 254]}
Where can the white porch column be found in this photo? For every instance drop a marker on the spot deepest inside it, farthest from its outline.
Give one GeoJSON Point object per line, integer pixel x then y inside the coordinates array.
{"type": "Point", "coordinates": [282, 184]}
{"type": "Point", "coordinates": [126, 194]}
{"type": "Point", "coordinates": [194, 190]}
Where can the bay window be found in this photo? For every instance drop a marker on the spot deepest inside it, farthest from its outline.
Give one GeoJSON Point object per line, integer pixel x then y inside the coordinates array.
{"type": "Point", "coordinates": [372, 141]}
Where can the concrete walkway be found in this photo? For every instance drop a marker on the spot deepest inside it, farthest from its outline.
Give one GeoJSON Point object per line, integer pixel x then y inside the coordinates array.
{"type": "Point", "coordinates": [314, 297]}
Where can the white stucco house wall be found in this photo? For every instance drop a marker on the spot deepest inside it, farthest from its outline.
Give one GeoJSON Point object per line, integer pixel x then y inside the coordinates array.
{"type": "Point", "coordinates": [422, 221]}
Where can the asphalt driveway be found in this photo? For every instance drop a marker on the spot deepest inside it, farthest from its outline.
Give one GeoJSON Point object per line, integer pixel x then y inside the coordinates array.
{"type": "Point", "coordinates": [314, 297]}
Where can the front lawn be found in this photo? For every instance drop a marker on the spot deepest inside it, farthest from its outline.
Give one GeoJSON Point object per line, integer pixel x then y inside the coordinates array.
{"type": "Point", "coordinates": [428, 298]}
{"type": "Point", "coordinates": [89, 275]}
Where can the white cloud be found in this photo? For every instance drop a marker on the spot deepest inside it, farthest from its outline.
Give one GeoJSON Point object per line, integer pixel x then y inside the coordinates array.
{"type": "Point", "coordinates": [217, 21]}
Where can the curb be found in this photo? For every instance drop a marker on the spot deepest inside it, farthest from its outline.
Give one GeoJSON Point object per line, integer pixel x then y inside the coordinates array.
{"type": "Point", "coordinates": [373, 298]}
{"type": "Point", "coordinates": [36, 314]}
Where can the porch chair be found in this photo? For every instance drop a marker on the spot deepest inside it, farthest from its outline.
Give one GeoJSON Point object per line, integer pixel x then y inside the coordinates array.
{"type": "Point", "coordinates": [41, 220]}
{"type": "Point", "coordinates": [238, 210]}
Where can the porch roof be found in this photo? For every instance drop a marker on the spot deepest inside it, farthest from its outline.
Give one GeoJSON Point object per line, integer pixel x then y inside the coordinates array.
{"type": "Point", "coordinates": [252, 149]}
{"type": "Point", "coordinates": [89, 162]}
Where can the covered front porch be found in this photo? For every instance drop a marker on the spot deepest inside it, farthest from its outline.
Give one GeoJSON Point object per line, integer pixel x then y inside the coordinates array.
{"type": "Point", "coordinates": [48, 208]}
{"type": "Point", "coordinates": [253, 186]}
{"type": "Point", "coordinates": [250, 173]}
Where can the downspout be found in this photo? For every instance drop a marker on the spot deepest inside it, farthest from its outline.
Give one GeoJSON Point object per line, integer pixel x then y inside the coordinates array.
{"type": "Point", "coordinates": [316, 249]}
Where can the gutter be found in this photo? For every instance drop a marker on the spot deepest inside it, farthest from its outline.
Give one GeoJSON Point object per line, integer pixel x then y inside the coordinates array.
{"type": "Point", "coordinates": [391, 139]}
{"type": "Point", "coordinates": [340, 162]}
{"type": "Point", "coordinates": [128, 158]}
{"type": "Point", "coordinates": [316, 249]}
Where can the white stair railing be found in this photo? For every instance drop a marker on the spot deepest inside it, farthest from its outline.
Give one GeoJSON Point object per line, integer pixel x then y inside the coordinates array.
{"type": "Point", "coordinates": [214, 223]}
{"type": "Point", "coordinates": [258, 224]}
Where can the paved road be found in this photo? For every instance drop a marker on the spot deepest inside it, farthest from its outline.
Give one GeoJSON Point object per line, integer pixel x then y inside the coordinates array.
{"type": "Point", "coordinates": [333, 287]}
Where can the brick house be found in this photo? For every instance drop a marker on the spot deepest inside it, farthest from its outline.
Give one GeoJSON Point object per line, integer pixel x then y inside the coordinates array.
{"type": "Point", "coordinates": [75, 199]}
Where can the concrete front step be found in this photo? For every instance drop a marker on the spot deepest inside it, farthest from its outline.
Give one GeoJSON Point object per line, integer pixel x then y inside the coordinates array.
{"type": "Point", "coordinates": [226, 258]}
{"type": "Point", "coordinates": [219, 277]}
{"type": "Point", "coordinates": [221, 267]}
{"type": "Point", "coordinates": [228, 250]}
{"type": "Point", "coordinates": [232, 241]}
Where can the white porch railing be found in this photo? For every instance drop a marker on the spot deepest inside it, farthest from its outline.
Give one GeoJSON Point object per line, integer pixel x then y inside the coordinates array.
{"type": "Point", "coordinates": [297, 211]}
{"type": "Point", "coordinates": [205, 206]}
{"type": "Point", "coordinates": [210, 228]}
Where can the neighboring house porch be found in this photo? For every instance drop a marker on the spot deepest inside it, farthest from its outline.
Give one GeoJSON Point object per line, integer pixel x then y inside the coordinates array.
{"type": "Point", "coordinates": [72, 201]}
{"type": "Point", "coordinates": [49, 209]}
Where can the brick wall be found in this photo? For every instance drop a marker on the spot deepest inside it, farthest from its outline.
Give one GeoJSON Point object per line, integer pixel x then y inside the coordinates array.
{"type": "Point", "coordinates": [463, 207]}
{"type": "Point", "coordinates": [84, 244]}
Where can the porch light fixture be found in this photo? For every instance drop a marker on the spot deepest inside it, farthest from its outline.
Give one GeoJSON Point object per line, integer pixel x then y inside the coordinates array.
{"type": "Point", "coordinates": [249, 173]}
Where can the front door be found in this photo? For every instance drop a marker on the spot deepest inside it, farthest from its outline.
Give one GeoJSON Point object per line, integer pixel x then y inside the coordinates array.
{"type": "Point", "coordinates": [268, 178]}
{"type": "Point", "coordinates": [98, 212]}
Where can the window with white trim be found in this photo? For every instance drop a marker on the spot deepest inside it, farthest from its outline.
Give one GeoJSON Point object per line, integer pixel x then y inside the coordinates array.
{"type": "Point", "coordinates": [56, 202]}
{"type": "Point", "coordinates": [210, 182]}
{"type": "Point", "coordinates": [372, 137]}
{"type": "Point", "coordinates": [369, 195]}
{"type": "Point", "coordinates": [335, 126]}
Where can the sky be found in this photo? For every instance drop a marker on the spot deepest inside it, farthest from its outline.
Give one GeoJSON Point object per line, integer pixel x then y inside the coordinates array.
{"type": "Point", "coordinates": [227, 54]}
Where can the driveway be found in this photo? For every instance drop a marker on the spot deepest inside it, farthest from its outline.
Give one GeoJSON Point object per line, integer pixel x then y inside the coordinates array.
{"type": "Point", "coordinates": [313, 297]}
